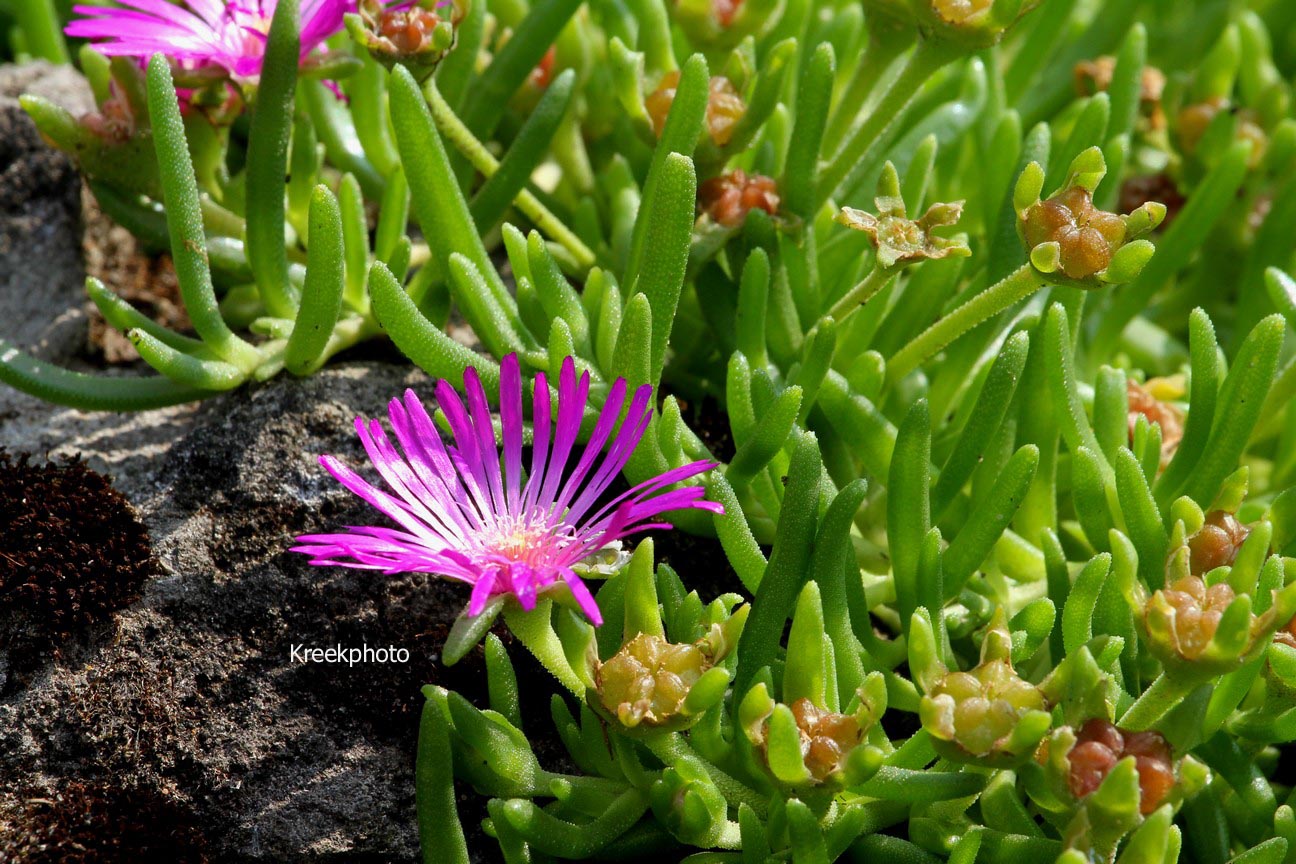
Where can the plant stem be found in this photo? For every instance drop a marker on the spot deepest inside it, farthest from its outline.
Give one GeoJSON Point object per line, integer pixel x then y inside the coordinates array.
{"type": "Point", "coordinates": [1156, 701]}
{"type": "Point", "coordinates": [929, 56]}
{"type": "Point", "coordinates": [1015, 287]}
{"type": "Point", "coordinates": [863, 292]}
{"type": "Point", "coordinates": [482, 160]}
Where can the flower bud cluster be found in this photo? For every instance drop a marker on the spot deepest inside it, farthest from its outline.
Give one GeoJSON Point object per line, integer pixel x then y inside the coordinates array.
{"type": "Point", "coordinates": [979, 710]}
{"type": "Point", "coordinates": [1197, 613]}
{"type": "Point", "coordinates": [1095, 76]}
{"type": "Point", "coordinates": [1100, 745]}
{"type": "Point", "coordinates": [414, 36]}
{"type": "Point", "coordinates": [1073, 242]}
{"type": "Point", "coordinates": [826, 737]}
{"type": "Point", "coordinates": [647, 681]}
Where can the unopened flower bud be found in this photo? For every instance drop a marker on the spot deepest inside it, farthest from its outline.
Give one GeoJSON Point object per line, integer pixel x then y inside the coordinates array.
{"type": "Point", "coordinates": [1071, 241]}
{"type": "Point", "coordinates": [114, 121]}
{"type": "Point", "coordinates": [725, 11]}
{"type": "Point", "coordinates": [988, 713]}
{"type": "Point", "coordinates": [728, 199]}
{"type": "Point", "coordinates": [647, 681]}
{"type": "Point", "coordinates": [724, 106]}
{"type": "Point", "coordinates": [900, 240]}
{"type": "Point", "coordinates": [417, 36]}
{"type": "Point", "coordinates": [543, 73]}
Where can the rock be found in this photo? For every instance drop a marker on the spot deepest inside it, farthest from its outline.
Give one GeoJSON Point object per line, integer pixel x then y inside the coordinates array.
{"type": "Point", "coordinates": [41, 276]}
{"type": "Point", "coordinates": [191, 695]}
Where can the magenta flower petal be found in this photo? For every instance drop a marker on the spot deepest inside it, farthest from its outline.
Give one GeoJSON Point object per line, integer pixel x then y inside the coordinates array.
{"type": "Point", "coordinates": [230, 34]}
{"type": "Point", "coordinates": [463, 516]}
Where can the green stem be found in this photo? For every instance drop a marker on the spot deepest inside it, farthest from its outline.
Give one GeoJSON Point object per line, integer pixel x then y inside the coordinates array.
{"type": "Point", "coordinates": [466, 143]}
{"type": "Point", "coordinates": [1156, 701]}
{"type": "Point", "coordinates": [1014, 288]}
{"type": "Point", "coordinates": [879, 55]}
{"type": "Point", "coordinates": [929, 56]}
{"type": "Point", "coordinates": [863, 292]}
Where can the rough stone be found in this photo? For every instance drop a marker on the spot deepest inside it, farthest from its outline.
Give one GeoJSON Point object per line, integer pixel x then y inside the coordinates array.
{"type": "Point", "coordinates": [41, 275]}
{"type": "Point", "coordinates": [191, 694]}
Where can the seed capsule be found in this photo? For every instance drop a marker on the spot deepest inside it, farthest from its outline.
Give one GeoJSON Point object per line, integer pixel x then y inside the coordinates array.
{"type": "Point", "coordinates": [647, 681]}
{"type": "Point", "coordinates": [1100, 745]}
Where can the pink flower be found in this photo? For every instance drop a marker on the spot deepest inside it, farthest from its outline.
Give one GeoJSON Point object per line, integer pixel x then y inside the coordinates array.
{"type": "Point", "coordinates": [461, 517]}
{"type": "Point", "coordinates": [230, 34]}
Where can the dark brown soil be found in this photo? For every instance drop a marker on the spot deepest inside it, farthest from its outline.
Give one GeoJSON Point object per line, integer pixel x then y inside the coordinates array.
{"type": "Point", "coordinates": [72, 551]}
{"type": "Point", "coordinates": [96, 823]}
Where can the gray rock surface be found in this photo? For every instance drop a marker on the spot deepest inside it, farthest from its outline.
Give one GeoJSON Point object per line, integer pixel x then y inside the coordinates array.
{"type": "Point", "coordinates": [190, 693]}
{"type": "Point", "coordinates": [189, 696]}
{"type": "Point", "coordinates": [40, 217]}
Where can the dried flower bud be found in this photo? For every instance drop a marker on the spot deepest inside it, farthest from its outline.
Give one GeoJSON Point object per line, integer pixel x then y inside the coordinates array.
{"type": "Point", "coordinates": [728, 199]}
{"type": "Point", "coordinates": [724, 108]}
{"type": "Point", "coordinates": [1095, 76]}
{"type": "Point", "coordinates": [1100, 745]}
{"type": "Point", "coordinates": [1072, 242]}
{"type": "Point", "coordinates": [1144, 402]}
{"type": "Point", "coordinates": [1217, 543]}
{"type": "Point", "coordinates": [826, 737]}
{"type": "Point", "coordinates": [647, 681]}
{"type": "Point", "coordinates": [807, 745]}
{"type": "Point", "coordinates": [900, 240]}
{"type": "Point", "coordinates": [1193, 121]}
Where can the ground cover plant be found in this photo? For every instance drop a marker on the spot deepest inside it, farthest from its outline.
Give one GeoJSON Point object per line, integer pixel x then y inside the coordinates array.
{"type": "Point", "coordinates": [991, 295]}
